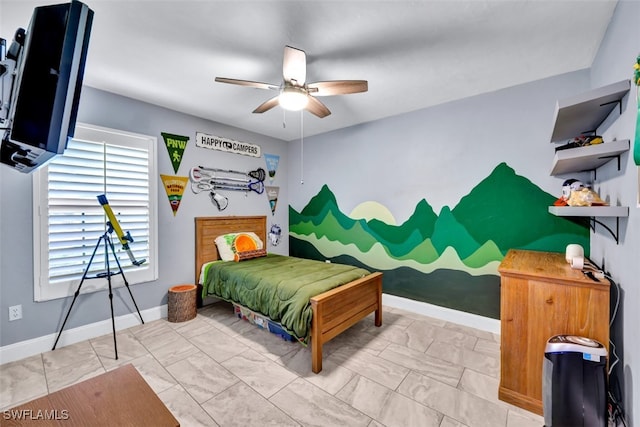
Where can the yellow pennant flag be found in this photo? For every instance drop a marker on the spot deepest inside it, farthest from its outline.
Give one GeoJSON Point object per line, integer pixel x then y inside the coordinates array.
{"type": "Point", "coordinates": [174, 186]}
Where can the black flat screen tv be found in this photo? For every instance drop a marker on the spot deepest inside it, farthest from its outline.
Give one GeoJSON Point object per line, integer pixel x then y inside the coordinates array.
{"type": "Point", "coordinates": [45, 92]}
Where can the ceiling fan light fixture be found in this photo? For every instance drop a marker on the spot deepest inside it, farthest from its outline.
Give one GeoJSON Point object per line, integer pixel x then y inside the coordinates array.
{"type": "Point", "coordinates": [293, 98]}
{"type": "Point", "coordinates": [295, 94]}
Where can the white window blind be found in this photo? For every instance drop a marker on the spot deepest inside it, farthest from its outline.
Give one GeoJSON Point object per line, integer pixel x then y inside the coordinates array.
{"type": "Point", "coordinates": [71, 220]}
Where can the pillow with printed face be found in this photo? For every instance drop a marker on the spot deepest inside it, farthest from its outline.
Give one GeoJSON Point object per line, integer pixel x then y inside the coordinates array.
{"type": "Point", "coordinates": [230, 244]}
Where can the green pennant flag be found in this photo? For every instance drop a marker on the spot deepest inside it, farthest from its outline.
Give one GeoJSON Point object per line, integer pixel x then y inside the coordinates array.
{"type": "Point", "coordinates": [175, 146]}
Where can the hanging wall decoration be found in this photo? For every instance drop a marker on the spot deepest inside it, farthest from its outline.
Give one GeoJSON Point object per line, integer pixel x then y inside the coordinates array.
{"type": "Point", "coordinates": [175, 146]}
{"type": "Point", "coordinates": [272, 194]}
{"type": "Point", "coordinates": [214, 179]}
{"type": "Point", "coordinates": [272, 165]}
{"type": "Point", "coordinates": [275, 233]}
{"type": "Point", "coordinates": [636, 80]}
{"type": "Point", "coordinates": [228, 145]}
{"type": "Point", "coordinates": [174, 186]}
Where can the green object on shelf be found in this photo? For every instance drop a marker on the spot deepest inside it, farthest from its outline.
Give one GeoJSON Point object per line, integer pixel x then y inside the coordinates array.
{"type": "Point", "coordinates": [636, 144]}
{"type": "Point", "coordinates": [636, 80]}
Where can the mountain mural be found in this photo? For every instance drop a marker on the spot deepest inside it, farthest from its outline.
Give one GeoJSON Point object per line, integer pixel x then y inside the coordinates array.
{"type": "Point", "coordinates": [448, 259]}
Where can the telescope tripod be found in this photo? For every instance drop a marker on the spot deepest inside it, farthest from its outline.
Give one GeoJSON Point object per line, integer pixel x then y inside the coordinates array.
{"type": "Point", "coordinates": [108, 244]}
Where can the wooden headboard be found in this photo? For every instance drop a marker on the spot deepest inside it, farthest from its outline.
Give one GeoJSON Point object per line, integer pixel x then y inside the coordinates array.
{"type": "Point", "coordinates": [208, 228]}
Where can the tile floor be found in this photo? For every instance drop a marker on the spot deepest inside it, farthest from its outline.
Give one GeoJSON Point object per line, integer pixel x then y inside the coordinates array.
{"type": "Point", "coordinates": [220, 370]}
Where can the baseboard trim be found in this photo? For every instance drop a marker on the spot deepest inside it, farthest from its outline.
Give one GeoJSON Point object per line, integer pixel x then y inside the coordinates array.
{"type": "Point", "coordinates": [31, 347]}
{"type": "Point", "coordinates": [459, 317]}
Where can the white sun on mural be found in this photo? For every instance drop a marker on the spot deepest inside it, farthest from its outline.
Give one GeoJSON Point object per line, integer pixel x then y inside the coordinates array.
{"type": "Point", "coordinates": [373, 210]}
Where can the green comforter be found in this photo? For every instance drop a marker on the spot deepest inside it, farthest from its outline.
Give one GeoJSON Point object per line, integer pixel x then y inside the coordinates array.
{"type": "Point", "coordinates": [277, 286]}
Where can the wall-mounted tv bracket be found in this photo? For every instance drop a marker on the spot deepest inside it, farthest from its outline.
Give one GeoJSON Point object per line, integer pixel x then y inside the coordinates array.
{"type": "Point", "coordinates": [3, 50]}
{"type": "Point", "coordinates": [8, 64]}
{"type": "Point", "coordinates": [4, 68]}
{"type": "Point", "coordinates": [592, 224]}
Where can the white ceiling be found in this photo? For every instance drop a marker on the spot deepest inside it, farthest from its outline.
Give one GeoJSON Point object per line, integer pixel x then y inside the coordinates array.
{"type": "Point", "coordinates": [414, 54]}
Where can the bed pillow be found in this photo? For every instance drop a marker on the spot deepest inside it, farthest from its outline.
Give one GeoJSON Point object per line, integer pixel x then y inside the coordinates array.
{"type": "Point", "coordinates": [229, 244]}
{"type": "Point", "coordinates": [245, 255]}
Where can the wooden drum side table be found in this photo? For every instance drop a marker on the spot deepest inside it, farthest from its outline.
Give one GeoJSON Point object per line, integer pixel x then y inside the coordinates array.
{"type": "Point", "coordinates": [182, 303]}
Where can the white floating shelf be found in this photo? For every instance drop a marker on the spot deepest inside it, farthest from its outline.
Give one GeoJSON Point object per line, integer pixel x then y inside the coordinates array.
{"type": "Point", "coordinates": [582, 114]}
{"type": "Point", "coordinates": [587, 158]}
{"type": "Point", "coordinates": [590, 211]}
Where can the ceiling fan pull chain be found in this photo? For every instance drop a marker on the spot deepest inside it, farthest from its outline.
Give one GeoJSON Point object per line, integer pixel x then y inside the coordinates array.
{"type": "Point", "coordinates": [284, 118]}
{"type": "Point", "coordinates": [301, 147]}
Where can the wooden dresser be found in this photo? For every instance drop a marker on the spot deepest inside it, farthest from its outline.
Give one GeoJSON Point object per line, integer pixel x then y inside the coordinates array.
{"type": "Point", "coordinates": [542, 296]}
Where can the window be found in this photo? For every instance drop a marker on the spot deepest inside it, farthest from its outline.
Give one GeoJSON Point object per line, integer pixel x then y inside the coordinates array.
{"type": "Point", "coordinates": [69, 220]}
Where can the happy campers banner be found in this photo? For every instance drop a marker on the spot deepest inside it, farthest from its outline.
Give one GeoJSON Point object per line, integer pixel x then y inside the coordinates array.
{"type": "Point", "coordinates": [228, 145]}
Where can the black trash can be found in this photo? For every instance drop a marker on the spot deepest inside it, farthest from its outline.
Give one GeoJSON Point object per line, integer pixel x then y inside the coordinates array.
{"type": "Point", "coordinates": [574, 382]}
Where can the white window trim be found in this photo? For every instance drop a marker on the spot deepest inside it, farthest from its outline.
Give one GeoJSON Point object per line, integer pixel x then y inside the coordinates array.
{"type": "Point", "coordinates": [43, 291]}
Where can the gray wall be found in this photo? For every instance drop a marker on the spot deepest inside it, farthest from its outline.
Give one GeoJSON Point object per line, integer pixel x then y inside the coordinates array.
{"type": "Point", "coordinates": [437, 153]}
{"type": "Point", "coordinates": [613, 63]}
{"type": "Point", "coordinates": [176, 239]}
{"type": "Point", "coordinates": [441, 152]}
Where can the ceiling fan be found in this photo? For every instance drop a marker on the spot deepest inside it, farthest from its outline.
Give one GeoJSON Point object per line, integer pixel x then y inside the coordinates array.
{"type": "Point", "coordinates": [295, 93]}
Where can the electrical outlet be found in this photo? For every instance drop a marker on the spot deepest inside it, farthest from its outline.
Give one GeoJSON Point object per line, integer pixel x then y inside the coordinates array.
{"type": "Point", "coordinates": [15, 312]}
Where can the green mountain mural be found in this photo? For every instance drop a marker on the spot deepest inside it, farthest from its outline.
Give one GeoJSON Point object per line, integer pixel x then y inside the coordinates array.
{"type": "Point", "coordinates": [513, 212]}
{"type": "Point", "coordinates": [449, 232]}
{"type": "Point", "coordinates": [440, 259]}
{"type": "Point", "coordinates": [322, 217]}
{"type": "Point", "coordinates": [422, 221]}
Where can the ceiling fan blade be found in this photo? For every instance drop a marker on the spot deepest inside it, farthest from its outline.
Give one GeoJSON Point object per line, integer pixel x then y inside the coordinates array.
{"type": "Point", "coordinates": [294, 66]}
{"type": "Point", "coordinates": [317, 108]}
{"type": "Point", "coordinates": [247, 83]}
{"type": "Point", "coordinates": [338, 87]}
{"type": "Point", "coordinates": [267, 105]}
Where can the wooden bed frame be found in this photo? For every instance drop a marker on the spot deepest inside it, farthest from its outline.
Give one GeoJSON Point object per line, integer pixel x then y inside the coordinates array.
{"type": "Point", "coordinates": [334, 311]}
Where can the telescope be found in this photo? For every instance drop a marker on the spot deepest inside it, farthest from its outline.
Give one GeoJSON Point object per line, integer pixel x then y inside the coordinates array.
{"type": "Point", "coordinates": [113, 223]}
